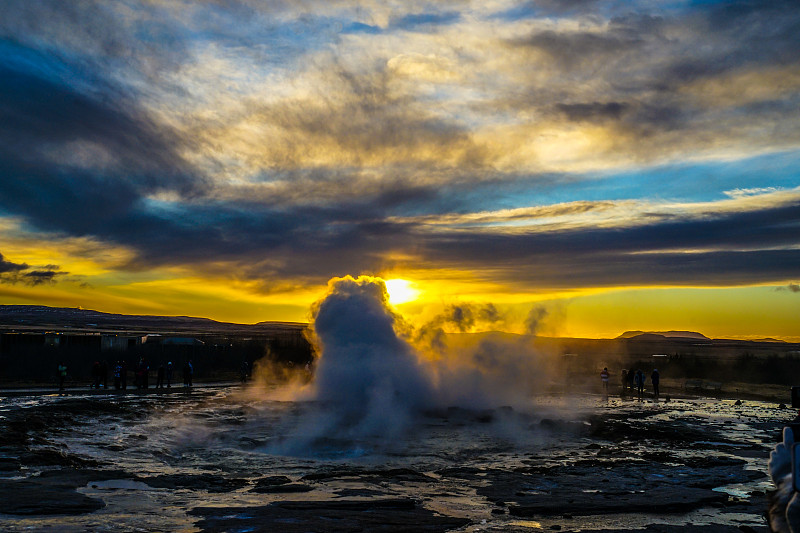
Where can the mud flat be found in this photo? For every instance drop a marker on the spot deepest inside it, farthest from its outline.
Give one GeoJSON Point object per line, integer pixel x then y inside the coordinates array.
{"type": "Point", "coordinates": [216, 460]}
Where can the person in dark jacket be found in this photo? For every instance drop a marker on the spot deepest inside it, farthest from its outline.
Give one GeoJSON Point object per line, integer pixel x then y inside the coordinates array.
{"type": "Point", "coordinates": [142, 374]}
{"type": "Point", "coordinates": [118, 375]}
{"type": "Point", "coordinates": [96, 375]}
{"type": "Point", "coordinates": [62, 375]}
{"type": "Point", "coordinates": [655, 377]}
{"type": "Point", "coordinates": [639, 380]}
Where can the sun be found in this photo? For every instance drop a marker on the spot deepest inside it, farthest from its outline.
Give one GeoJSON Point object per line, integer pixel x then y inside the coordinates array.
{"type": "Point", "coordinates": [400, 291]}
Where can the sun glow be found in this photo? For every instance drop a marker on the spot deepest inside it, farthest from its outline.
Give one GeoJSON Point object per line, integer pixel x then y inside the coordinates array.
{"type": "Point", "coordinates": [400, 291]}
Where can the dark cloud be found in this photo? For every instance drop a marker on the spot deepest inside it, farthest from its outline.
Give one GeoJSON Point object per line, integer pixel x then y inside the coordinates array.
{"type": "Point", "coordinates": [13, 273]}
{"type": "Point", "coordinates": [572, 50]}
{"type": "Point", "coordinates": [51, 112]}
{"type": "Point", "coordinates": [40, 277]}
{"type": "Point", "coordinates": [792, 287]}
{"type": "Point", "coordinates": [8, 266]}
{"type": "Point", "coordinates": [592, 111]}
{"type": "Point", "coordinates": [748, 247]}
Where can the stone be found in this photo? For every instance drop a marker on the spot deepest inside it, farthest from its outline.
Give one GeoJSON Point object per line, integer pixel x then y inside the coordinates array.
{"type": "Point", "coordinates": [337, 516]}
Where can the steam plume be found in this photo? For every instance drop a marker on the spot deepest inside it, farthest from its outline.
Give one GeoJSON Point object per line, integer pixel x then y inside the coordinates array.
{"type": "Point", "coordinates": [375, 375]}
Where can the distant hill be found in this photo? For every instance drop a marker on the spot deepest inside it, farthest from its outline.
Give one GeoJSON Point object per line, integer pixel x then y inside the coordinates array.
{"type": "Point", "coordinates": [643, 335]}
{"type": "Point", "coordinates": [38, 317]}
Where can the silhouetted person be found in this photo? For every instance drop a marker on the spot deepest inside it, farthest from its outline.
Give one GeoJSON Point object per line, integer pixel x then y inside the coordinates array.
{"type": "Point", "coordinates": [104, 373]}
{"type": "Point", "coordinates": [96, 375]}
{"type": "Point", "coordinates": [244, 370]}
{"type": "Point", "coordinates": [62, 375]}
{"type": "Point", "coordinates": [124, 375]}
{"type": "Point", "coordinates": [188, 370]}
{"type": "Point", "coordinates": [631, 379]}
{"type": "Point", "coordinates": [604, 380]}
{"type": "Point", "coordinates": [141, 374]}
{"type": "Point", "coordinates": [160, 377]}
{"type": "Point", "coordinates": [624, 382]}
{"type": "Point", "coordinates": [117, 376]}
{"type": "Point", "coordinates": [169, 374]}
{"type": "Point", "coordinates": [655, 377]}
{"type": "Point", "coordinates": [639, 379]}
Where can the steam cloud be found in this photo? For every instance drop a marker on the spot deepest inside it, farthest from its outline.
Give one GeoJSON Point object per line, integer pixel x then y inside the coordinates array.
{"type": "Point", "coordinates": [375, 374]}
{"type": "Point", "coordinates": [370, 376]}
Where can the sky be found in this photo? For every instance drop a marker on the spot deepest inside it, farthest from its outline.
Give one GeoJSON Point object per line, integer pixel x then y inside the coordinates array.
{"type": "Point", "coordinates": [584, 167]}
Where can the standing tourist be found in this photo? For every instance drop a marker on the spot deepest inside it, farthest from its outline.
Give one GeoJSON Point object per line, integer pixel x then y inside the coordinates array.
{"type": "Point", "coordinates": [62, 375]}
{"type": "Point", "coordinates": [639, 380]}
{"type": "Point", "coordinates": [604, 380]}
{"type": "Point", "coordinates": [117, 375]}
{"type": "Point", "coordinates": [655, 377]}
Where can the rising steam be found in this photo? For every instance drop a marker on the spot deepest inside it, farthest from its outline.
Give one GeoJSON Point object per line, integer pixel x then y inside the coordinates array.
{"type": "Point", "coordinates": [375, 374]}
{"type": "Point", "coordinates": [371, 376]}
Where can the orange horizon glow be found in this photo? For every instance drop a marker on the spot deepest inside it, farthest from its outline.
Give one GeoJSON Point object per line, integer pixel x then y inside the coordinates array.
{"type": "Point", "coordinates": [733, 312]}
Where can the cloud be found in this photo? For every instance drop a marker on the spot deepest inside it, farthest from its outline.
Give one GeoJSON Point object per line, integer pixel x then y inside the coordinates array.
{"type": "Point", "coordinates": [277, 141]}
{"type": "Point", "coordinates": [40, 277]}
{"type": "Point", "coordinates": [752, 191]}
{"type": "Point", "coordinates": [792, 287]}
{"type": "Point", "coordinates": [423, 21]}
{"type": "Point", "coordinates": [13, 273]}
{"type": "Point", "coordinates": [8, 266]}
{"type": "Point", "coordinates": [646, 79]}
{"type": "Point", "coordinates": [546, 8]}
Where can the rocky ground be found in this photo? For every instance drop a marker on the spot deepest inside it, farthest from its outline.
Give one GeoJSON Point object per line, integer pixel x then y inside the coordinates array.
{"type": "Point", "coordinates": [203, 462]}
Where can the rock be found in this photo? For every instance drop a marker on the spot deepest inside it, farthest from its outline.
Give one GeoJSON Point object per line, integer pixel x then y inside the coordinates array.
{"type": "Point", "coordinates": [209, 482]}
{"type": "Point", "coordinates": [30, 498]}
{"type": "Point", "coordinates": [9, 464]}
{"type": "Point", "coordinates": [52, 457]}
{"type": "Point", "coordinates": [279, 485]}
{"type": "Point", "coordinates": [381, 516]}
{"type": "Point", "coordinates": [371, 476]}
{"type": "Point", "coordinates": [562, 426]}
{"type": "Point", "coordinates": [271, 481]}
{"type": "Point", "coordinates": [282, 489]}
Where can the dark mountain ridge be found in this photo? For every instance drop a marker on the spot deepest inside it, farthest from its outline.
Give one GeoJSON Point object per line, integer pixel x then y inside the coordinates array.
{"type": "Point", "coordinates": [38, 317]}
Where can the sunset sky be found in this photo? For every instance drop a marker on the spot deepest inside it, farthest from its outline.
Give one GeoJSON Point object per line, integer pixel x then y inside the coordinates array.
{"type": "Point", "coordinates": [585, 166]}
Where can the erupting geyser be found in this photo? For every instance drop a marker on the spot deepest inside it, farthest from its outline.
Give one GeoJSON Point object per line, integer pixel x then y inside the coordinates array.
{"type": "Point", "coordinates": [376, 376]}
{"type": "Point", "coordinates": [369, 377]}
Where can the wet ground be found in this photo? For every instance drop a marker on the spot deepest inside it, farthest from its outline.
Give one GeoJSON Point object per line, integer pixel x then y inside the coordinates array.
{"type": "Point", "coordinates": [217, 459]}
